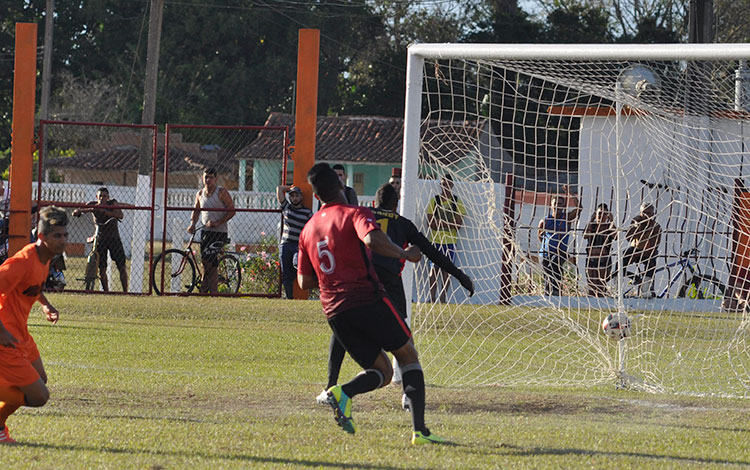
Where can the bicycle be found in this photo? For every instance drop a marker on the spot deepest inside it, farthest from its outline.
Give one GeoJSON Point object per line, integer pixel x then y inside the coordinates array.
{"type": "Point", "coordinates": [91, 274]}
{"type": "Point", "coordinates": [696, 285]}
{"type": "Point", "coordinates": [184, 268]}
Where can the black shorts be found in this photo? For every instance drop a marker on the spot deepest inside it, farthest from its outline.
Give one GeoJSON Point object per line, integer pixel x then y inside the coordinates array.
{"type": "Point", "coordinates": [211, 245]}
{"type": "Point", "coordinates": [366, 330]}
{"type": "Point", "coordinates": [115, 249]}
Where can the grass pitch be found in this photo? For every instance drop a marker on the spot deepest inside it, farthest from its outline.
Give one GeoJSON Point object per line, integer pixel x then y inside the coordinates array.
{"type": "Point", "coordinates": [173, 383]}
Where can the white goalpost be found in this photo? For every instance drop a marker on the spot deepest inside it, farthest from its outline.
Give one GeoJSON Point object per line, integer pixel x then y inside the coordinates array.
{"type": "Point", "coordinates": [633, 127]}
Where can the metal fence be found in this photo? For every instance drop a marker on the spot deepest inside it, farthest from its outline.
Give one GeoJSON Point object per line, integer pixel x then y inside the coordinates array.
{"type": "Point", "coordinates": [76, 159]}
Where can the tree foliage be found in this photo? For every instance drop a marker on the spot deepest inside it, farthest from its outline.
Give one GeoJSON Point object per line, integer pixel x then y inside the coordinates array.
{"type": "Point", "coordinates": [233, 62]}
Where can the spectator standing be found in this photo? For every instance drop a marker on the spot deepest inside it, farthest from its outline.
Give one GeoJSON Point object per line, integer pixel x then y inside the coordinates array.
{"type": "Point", "coordinates": [554, 233]}
{"type": "Point", "coordinates": [599, 233]}
{"type": "Point", "coordinates": [214, 230]}
{"type": "Point", "coordinates": [296, 216]}
{"type": "Point", "coordinates": [395, 179]}
{"type": "Point", "coordinates": [349, 193]}
{"type": "Point", "coordinates": [445, 217]}
{"type": "Point", "coordinates": [644, 235]}
{"type": "Point", "coordinates": [105, 220]}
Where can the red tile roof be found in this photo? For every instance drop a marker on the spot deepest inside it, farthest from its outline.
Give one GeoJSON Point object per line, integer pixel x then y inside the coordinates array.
{"type": "Point", "coordinates": [126, 157]}
{"type": "Point", "coordinates": [368, 139]}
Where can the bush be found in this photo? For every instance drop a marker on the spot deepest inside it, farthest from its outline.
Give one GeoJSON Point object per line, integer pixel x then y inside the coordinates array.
{"type": "Point", "coordinates": [260, 266]}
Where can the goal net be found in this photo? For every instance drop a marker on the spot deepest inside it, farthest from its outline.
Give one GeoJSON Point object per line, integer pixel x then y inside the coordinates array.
{"type": "Point", "coordinates": [574, 182]}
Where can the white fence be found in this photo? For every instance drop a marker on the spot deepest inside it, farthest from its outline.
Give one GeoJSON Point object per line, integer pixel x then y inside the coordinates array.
{"type": "Point", "coordinates": [245, 227]}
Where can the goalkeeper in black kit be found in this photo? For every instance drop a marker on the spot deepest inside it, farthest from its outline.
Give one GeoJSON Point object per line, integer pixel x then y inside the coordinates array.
{"type": "Point", "coordinates": [402, 232]}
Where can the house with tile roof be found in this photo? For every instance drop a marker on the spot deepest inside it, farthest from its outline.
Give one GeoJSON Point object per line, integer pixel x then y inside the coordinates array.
{"type": "Point", "coordinates": [369, 147]}
{"type": "Point", "coordinates": [115, 161]}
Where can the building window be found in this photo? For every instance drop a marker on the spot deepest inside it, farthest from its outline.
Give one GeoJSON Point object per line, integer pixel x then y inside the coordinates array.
{"type": "Point", "coordinates": [359, 183]}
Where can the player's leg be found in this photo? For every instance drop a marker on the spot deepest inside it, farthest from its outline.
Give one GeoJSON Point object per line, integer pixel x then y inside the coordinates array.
{"type": "Point", "coordinates": [414, 388]}
{"type": "Point", "coordinates": [648, 277]}
{"type": "Point", "coordinates": [16, 369]}
{"type": "Point", "coordinates": [433, 282]}
{"type": "Point", "coordinates": [336, 353]}
{"type": "Point", "coordinates": [445, 284]}
{"type": "Point", "coordinates": [11, 399]}
{"type": "Point", "coordinates": [288, 273]}
{"type": "Point", "coordinates": [117, 252]}
{"type": "Point", "coordinates": [350, 329]}
{"type": "Point", "coordinates": [102, 250]}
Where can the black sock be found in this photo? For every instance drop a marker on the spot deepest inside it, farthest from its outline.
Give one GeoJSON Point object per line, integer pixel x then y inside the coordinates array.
{"type": "Point", "coordinates": [364, 382]}
{"type": "Point", "coordinates": [413, 383]}
{"type": "Point", "coordinates": [336, 353]}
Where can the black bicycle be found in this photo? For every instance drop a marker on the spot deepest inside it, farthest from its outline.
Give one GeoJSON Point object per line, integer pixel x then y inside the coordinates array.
{"type": "Point", "coordinates": [695, 285]}
{"type": "Point", "coordinates": [182, 268]}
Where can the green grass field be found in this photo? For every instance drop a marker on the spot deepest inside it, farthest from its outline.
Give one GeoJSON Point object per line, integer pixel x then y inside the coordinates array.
{"type": "Point", "coordinates": [174, 383]}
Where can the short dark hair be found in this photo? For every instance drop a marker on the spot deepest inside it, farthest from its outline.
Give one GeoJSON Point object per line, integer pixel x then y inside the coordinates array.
{"type": "Point", "coordinates": [102, 190]}
{"type": "Point", "coordinates": [209, 170]}
{"type": "Point", "coordinates": [50, 217]}
{"type": "Point", "coordinates": [339, 166]}
{"type": "Point", "coordinates": [386, 197]}
{"type": "Point", "coordinates": [324, 181]}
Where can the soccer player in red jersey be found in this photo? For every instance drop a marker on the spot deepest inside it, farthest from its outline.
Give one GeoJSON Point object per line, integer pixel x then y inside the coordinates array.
{"type": "Point", "coordinates": [402, 232]}
{"type": "Point", "coordinates": [335, 254]}
{"type": "Point", "coordinates": [22, 376]}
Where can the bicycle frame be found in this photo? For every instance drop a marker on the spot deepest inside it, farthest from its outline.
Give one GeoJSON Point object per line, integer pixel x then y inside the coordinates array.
{"type": "Point", "coordinates": [188, 250]}
{"type": "Point", "coordinates": [684, 263]}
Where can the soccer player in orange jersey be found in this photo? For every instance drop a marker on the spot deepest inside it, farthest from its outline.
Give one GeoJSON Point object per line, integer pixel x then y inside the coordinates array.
{"type": "Point", "coordinates": [22, 376]}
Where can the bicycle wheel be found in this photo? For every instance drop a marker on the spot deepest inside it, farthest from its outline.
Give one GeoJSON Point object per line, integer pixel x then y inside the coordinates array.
{"type": "Point", "coordinates": [230, 276]}
{"type": "Point", "coordinates": [702, 287]}
{"type": "Point", "coordinates": [179, 271]}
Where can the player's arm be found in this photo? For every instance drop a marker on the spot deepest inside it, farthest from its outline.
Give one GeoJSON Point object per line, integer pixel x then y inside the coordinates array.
{"type": "Point", "coordinates": [6, 338]}
{"type": "Point", "coordinates": [540, 231]}
{"type": "Point", "coordinates": [226, 199]}
{"type": "Point", "coordinates": [574, 213]}
{"type": "Point", "coordinates": [195, 214]}
{"type": "Point", "coordinates": [307, 281]}
{"type": "Point", "coordinates": [305, 273]}
{"type": "Point", "coordinates": [115, 212]}
{"type": "Point", "coordinates": [281, 191]}
{"type": "Point", "coordinates": [442, 261]}
{"type": "Point", "coordinates": [11, 273]}
{"type": "Point", "coordinates": [51, 312]}
{"type": "Point", "coordinates": [379, 242]}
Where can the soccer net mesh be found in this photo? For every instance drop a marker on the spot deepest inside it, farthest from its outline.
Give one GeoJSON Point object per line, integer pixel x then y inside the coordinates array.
{"type": "Point", "coordinates": [500, 139]}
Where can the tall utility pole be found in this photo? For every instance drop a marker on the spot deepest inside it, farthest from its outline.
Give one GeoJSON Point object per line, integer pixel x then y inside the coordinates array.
{"type": "Point", "coordinates": [47, 59]}
{"type": "Point", "coordinates": [701, 21]}
{"type": "Point", "coordinates": [145, 161]}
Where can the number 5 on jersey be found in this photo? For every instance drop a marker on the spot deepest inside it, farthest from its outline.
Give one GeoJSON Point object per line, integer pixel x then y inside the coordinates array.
{"type": "Point", "coordinates": [325, 257]}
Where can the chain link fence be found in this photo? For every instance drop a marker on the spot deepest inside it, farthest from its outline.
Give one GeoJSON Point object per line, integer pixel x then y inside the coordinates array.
{"type": "Point", "coordinates": [152, 198]}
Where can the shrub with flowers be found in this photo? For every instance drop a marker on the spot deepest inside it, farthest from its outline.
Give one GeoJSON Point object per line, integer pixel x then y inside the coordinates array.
{"type": "Point", "coordinates": [261, 269]}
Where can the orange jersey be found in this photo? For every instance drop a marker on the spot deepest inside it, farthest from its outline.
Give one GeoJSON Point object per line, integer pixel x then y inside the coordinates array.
{"type": "Point", "coordinates": [21, 279]}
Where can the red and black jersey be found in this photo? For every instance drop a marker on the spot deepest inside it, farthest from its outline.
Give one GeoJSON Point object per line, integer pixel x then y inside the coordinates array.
{"type": "Point", "coordinates": [331, 248]}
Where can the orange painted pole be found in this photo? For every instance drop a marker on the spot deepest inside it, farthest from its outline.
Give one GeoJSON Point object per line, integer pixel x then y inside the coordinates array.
{"type": "Point", "coordinates": [22, 137]}
{"type": "Point", "coordinates": [308, 54]}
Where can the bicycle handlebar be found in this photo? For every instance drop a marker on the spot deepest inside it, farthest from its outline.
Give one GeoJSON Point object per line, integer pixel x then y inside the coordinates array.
{"type": "Point", "coordinates": [690, 252]}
